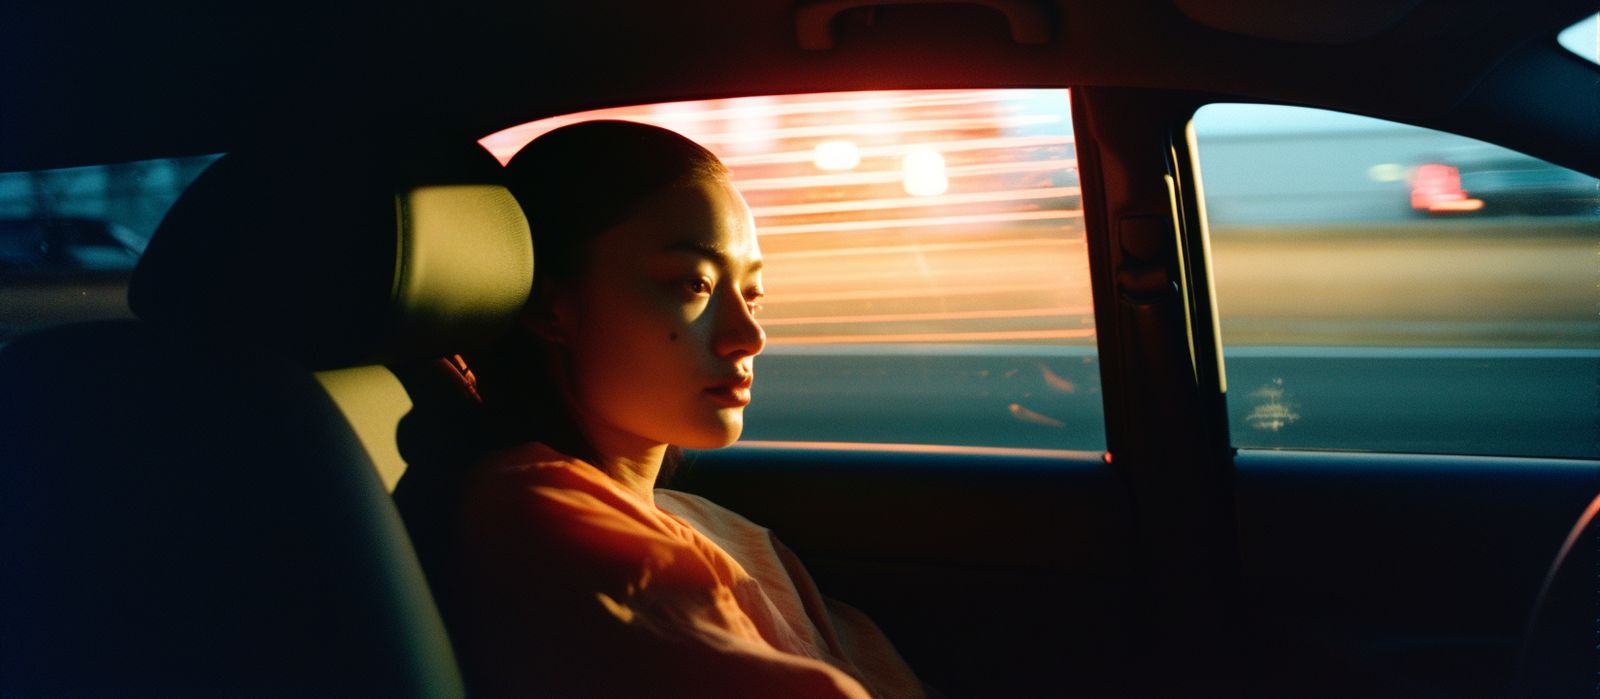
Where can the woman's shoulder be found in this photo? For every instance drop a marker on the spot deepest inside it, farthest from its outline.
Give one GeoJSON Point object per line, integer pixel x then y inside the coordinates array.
{"type": "Point", "coordinates": [538, 468]}
{"type": "Point", "coordinates": [554, 497]}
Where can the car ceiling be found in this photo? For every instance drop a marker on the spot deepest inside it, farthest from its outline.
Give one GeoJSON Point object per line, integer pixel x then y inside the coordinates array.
{"type": "Point", "coordinates": [94, 82]}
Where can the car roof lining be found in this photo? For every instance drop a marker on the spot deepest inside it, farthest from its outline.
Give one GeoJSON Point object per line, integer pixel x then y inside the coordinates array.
{"type": "Point", "coordinates": [109, 84]}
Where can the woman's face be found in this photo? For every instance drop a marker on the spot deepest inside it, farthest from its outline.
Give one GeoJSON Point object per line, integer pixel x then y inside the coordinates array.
{"type": "Point", "coordinates": [661, 332]}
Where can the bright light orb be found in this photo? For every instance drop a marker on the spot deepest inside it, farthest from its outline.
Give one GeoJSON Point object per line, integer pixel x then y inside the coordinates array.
{"type": "Point", "coordinates": [924, 173]}
{"type": "Point", "coordinates": [836, 155]}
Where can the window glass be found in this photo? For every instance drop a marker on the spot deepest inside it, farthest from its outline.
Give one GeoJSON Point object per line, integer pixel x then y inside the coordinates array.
{"type": "Point", "coordinates": [1583, 38]}
{"type": "Point", "coordinates": [925, 264]}
{"type": "Point", "coordinates": [70, 237]}
{"type": "Point", "coordinates": [1390, 288]}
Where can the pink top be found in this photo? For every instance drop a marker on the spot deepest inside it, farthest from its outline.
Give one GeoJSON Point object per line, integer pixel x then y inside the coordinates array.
{"type": "Point", "coordinates": [572, 585]}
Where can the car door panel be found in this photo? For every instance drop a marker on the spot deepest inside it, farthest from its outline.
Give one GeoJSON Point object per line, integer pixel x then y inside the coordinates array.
{"type": "Point", "coordinates": [1398, 574]}
{"type": "Point", "coordinates": [996, 572]}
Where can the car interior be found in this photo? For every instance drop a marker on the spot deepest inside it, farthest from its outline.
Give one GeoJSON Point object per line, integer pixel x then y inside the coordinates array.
{"type": "Point", "coordinates": [235, 488]}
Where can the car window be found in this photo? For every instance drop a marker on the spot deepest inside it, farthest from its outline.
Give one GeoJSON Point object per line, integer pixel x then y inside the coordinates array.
{"type": "Point", "coordinates": [70, 237]}
{"type": "Point", "coordinates": [926, 271]}
{"type": "Point", "coordinates": [1583, 38]}
{"type": "Point", "coordinates": [1390, 288]}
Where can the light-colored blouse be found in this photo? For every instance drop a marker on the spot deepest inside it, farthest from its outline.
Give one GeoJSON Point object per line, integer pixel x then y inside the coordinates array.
{"type": "Point", "coordinates": [570, 585]}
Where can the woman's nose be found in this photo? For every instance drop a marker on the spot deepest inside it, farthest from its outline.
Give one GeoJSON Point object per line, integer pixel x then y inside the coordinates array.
{"type": "Point", "coordinates": [738, 333]}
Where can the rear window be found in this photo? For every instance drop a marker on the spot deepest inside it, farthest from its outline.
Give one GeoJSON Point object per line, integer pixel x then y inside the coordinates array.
{"type": "Point", "coordinates": [1391, 288]}
{"type": "Point", "coordinates": [69, 237]}
{"type": "Point", "coordinates": [926, 271]}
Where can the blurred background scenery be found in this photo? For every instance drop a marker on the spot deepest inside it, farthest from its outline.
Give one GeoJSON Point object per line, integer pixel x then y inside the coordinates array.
{"type": "Point", "coordinates": [1380, 286]}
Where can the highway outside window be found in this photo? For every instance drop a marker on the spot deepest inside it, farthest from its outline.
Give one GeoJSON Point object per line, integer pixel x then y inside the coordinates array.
{"type": "Point", "coordinates": [1389, 288]}
{"type": "Point", "coordinates": [70, 237]}
{"type": "Point", "coordinates": [926, 270]}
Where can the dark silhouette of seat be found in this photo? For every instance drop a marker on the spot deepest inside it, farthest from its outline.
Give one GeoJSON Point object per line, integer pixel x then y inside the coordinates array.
{"type": "Point", "coordinates": [184, 510]}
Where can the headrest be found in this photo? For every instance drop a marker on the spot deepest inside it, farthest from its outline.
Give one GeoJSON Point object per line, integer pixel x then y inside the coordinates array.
{"type": "Point", "coordinates": [341, 255]}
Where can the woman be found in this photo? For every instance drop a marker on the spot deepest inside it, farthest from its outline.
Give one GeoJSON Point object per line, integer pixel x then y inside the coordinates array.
{"type": "Point", "coordinates": [577, 576]}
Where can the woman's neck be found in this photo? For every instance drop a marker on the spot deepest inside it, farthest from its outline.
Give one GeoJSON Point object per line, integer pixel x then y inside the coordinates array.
{"type": "Point", "coordinates": [633, 462]}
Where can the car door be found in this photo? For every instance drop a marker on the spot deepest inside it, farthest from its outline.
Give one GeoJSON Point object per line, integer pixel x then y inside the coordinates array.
{"type": "Point", "coordinates": [1342, 523]}
{"type": "Point", "coordinates": [1411, 370]}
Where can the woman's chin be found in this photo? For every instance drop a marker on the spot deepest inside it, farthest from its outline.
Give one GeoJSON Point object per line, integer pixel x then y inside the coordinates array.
{"type": "Point", "coordinates": [714, 436]}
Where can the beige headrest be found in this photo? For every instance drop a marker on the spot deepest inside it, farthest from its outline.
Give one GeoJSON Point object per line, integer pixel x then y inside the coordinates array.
{"type": "Point", "coordinates": [341, 258]}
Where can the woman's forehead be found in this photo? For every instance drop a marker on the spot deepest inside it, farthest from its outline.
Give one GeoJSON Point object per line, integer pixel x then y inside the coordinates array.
{"type": "Point", "coordinates": [705, 216]}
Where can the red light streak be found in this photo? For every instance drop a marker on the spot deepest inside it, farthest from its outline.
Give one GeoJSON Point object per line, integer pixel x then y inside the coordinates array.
{"type": "Point", "coordinates": [1437, 188]}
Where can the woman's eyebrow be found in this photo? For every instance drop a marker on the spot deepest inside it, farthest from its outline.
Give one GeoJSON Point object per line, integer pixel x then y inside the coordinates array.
{"type": "Point", "coordinates": [716, 254]}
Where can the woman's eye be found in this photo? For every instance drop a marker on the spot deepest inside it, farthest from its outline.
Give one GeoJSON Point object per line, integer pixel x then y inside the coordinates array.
{"type": "Point", "coordinates": [698, 285]}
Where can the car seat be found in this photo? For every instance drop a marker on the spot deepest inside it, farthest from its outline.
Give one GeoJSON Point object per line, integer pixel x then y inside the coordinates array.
{"type": "Point", "coordinates": [184, 509]}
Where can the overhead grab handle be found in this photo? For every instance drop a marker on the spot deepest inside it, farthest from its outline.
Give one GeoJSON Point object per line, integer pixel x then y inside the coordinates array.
{"type": "Point", "coordinates": [814, 18]}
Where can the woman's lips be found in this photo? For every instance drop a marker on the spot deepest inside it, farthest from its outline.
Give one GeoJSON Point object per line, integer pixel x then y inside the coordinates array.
{"type": "Point", "coordinates": [732, 394]}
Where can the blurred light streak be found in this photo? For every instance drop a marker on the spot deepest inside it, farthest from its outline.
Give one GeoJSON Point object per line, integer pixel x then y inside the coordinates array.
{"type": "Point", "coordinates": [889, 128]}
{"type": "Point", "coordinates": [836, 155]}
{"type": "Point", "coordinates": [1006, 257]}
{"type": "Point", "coordinates": [1036, 418]}
{"type": "Point", "coordinates": [924, 173]}
{"type": "Point", "coordinates": [861, 294]}
{"type": "Point", "coordinates": [1456, 205]}
{"type": "Point", "coordinates": [1437, 188]}
{"type": "Point", "coordinates": [921, 222]}
{"type": "Point", "coordinates": [829, 103]}
{"type": "Point", "coordinates": [1072, 243]}
{"type": "Point", "coordinates": [1060, 272]}
{"type": "Point", "coordinates": [950, 315]}
{"type": "Point", "coordinates": [889, 176]}
{"type": "Point", "coordinates": [761, 212]}
{"type": "Point", "coordinates": [759, 120]}
{"type": "Point", "coordinates": [898, 150]}
{"type": "Point", "coordinates": [506, 142]}
{"type": "Point", "coordinates": [1002, 335]}
{"type": "Point", "coordinates": [1056, 381]}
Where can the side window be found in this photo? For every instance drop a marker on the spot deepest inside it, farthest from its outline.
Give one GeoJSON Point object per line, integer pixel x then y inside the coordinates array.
{"type": "Point", "coordinates": [1391, 288]}
{"type": "Point", "coordinates": [926, 270]}
{"type": "Point", "coordinates": [1583, 38]}
{"type": "Point", "coordinates": [70, 237]}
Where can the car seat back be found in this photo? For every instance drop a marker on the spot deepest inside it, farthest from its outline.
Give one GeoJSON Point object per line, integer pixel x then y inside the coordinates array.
{"type": "Point", "coordinates": [184, 509]}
